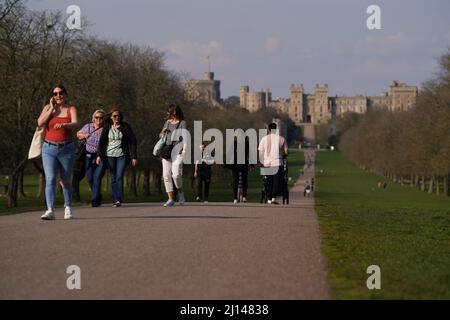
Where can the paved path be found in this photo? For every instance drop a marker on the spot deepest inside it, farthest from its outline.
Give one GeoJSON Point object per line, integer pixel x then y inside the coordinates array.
{"type": "Point", "coordinates": [145, 251]}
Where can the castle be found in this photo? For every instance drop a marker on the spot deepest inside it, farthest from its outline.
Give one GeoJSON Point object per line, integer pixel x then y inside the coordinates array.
{"type": "Point", "coordinates": [206, 90]}
{"type": "Point", "coordinates": [301, 107]}
{"type": "Point", "coordinates": [320, 108]}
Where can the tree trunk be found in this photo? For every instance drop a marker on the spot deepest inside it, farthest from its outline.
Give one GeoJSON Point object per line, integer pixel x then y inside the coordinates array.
{"type": "Point", "coordinates": [146, 183]}
{"type": "Point", "coordinates": [41, 188]}
{"type": "Point", "coordinates": [14, 184]}
{"type": "Point", "coordinates": [158, 182]}
{"type": "Point", "coordinates": [437, 185]}
{"type": "Point", "coordinates": [21, 188]}
{"type": "Point", "coordinates": [422, 186]}
{"type": "Point", "coordinates": [446, 186]}
{"type": "Point", "coordinates": [132, 182]}
{"type": "Point", "coordinates": [430, 189]}
{"type": "Point", "coordinates": [411, 181]}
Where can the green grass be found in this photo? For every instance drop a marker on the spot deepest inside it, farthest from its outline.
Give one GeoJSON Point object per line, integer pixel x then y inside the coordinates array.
{"type": "Point", "coordinates": [404, 231]}
{"type": "Point", "coordinates": [220, 190]}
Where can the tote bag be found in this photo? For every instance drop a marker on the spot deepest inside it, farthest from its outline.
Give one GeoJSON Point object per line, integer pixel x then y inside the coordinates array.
{"type": "Point", "coordinates": [36, 144]}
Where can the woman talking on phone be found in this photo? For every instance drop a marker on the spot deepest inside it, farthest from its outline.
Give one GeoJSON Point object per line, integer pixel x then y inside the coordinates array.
{"type": "Point", "coordinates": [58, 149]}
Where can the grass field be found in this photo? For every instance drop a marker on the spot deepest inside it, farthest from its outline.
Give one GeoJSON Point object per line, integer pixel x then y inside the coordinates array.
{"type": "Point", "coordinates": [220, 190]}
{"type": "Point", "coordinates": [404, 231]}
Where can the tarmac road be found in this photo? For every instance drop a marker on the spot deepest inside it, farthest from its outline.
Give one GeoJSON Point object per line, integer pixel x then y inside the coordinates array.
{"type": "Point", "coordinates": [145, 251]}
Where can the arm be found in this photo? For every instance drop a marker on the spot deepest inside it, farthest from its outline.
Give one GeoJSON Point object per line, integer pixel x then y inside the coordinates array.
{"type": "Point", "coordinates": [133, 146]}
{"type": "Point", "coordinates": [82, 134]}
{"type": "Point", "coordinates": [45, 114]}
{"type": "Point", "coordinates": [73, 117]}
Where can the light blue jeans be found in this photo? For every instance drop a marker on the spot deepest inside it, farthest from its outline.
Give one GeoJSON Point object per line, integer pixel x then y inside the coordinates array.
{"type": "Point", "coordinates": [58, 159]}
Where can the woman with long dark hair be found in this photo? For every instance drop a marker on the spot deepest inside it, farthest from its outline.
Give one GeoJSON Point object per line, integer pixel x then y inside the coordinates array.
{"type": "Point", "coordinates": [117, 148]}
{"type": "Point", "coordinates": [58, 149]}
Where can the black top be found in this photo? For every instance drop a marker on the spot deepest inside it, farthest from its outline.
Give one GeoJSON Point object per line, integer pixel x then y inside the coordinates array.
{"type": "Point", "coordinates": [129, 143]}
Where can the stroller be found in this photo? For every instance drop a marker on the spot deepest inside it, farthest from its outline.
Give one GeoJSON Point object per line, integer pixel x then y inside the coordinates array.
{"type": "Point", "coordinates": [283, 190]}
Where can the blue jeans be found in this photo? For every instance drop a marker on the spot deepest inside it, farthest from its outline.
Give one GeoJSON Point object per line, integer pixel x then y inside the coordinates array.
{"type": "Point", "coordinates": [116, 167]}
{"type": "Point", "coordinates": [94, 174]}
{"type": "Point", "coordinates": [56, 159]}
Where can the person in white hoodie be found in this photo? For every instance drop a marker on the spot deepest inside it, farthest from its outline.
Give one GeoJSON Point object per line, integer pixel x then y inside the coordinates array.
{"type": "Point", "coordinates": [272, 150]}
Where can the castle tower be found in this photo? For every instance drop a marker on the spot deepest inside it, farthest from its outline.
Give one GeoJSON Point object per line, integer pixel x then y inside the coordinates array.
{"type": "Point", "coordinates": [296, 103]}
{"type": "Point", "coordinates": [403, 97]}
{"type": "Point", "coordinates": [321, 112]}
{"type": "Point", "coordinates": [243, 96]}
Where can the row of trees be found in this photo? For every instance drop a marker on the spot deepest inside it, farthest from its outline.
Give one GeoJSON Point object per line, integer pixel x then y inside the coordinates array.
{"type": "Point", "coordinates": [408, 147]}
{"type": "Point", "coordinates": [37, 50]}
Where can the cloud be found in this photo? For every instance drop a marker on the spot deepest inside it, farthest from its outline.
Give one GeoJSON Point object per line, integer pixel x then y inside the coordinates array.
{"type": "Point", "coordinates": [272, 45]}
{"type": "Point", "coordinates": [186, 55]}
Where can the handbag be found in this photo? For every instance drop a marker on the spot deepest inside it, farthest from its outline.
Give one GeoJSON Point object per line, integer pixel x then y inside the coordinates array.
{"type": "Point", "coordinates": [162, 149]}
{"type": "Point", "coordinates": [36, 143]}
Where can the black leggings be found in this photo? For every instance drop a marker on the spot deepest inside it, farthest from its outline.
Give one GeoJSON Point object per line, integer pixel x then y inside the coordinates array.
{"type": "Point", "coordinates": [243, 169]}
{"type": "Point", "coordinates": [203, 181]}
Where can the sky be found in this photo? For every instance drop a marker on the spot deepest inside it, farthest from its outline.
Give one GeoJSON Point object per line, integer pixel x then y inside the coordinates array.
{"type": "Point", "coordinates": [276, 43]}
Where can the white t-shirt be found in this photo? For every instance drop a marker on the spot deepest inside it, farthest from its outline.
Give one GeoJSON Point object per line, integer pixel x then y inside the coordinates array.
{"type": "Point", "coordinates": [272, 148]}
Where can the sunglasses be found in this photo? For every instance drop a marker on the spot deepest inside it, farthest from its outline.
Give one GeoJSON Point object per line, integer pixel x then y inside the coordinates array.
{"type": "Point", "coordinates": [98, 117]}
{"type": "Point", "coordinates": [115, 116]}
{"type": "Point", "coordinates": [59, 93]}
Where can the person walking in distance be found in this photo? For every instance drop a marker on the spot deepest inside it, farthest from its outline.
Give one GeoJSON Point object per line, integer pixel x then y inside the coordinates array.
{"type": "Point", "coordinates": [58, 149]}
{"type": "Point", "coordinates": [202, 172]}
{"type": "Point", "coordinates": [172, 162]}
{"type": "Point", "coordinates": [272, 150]}
{"type": "Point", "coordinates": [91, 132]}
{"type": "Point", "coordinates": [117, 148]}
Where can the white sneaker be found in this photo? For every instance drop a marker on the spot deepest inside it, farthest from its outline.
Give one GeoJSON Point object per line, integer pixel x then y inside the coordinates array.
{"type": "Point", "coordinates": [181, 198]}
{"type": "Point", "coordinates": [244, 199]}
{"type": "Point", "coordinates": [235, 201]}
{"type": "Point", "coordinates": [68, 213]}
{"type": "Point", "coordinates": [269, 201]}
{"type": "Point", "coordinates": [48, 215]}
{"type": "Point", "coordinates": [205, 201]}
{"type": "Point", "coordinates": [169, 203]}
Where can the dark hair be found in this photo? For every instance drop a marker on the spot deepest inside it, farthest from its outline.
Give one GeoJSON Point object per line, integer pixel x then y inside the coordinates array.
{"type": "Point", "coordinates": [59, 85]}
{"type": "Point", "coordinates": [272, 126]}
{"type": "Point", "coordinates": [176, 111]}
{"type": "Point", "coordinates": [115, 110]}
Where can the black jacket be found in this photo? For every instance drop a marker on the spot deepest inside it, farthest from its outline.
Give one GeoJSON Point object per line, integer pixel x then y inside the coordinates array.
{"type": "Point", "coordinates": [129, 143]}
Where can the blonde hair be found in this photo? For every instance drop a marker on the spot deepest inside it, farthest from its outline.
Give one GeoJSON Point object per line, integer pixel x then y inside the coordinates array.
{"type": "Point", "coordinates": [98, 111]}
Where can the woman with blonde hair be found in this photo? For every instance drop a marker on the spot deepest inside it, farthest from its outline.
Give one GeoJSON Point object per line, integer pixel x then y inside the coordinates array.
{"type": "Point", "coordinates": [91, 132]}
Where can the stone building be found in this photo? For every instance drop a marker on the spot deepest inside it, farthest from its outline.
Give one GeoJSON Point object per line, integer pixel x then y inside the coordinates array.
{"type": "Point", "coordinates": [320, 107]}
{"type": "Point", "coordinates": [206, 90]}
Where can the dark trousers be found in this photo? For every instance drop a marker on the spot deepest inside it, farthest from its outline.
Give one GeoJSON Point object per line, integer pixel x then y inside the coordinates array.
{"type": "Point", "coordinates": [243, 169]}
{"type": "Point", "coordinates": [203, 183]}
{"type": "Point", "coordinates": [273, 183]}
{"type": "Point", "coordinates": [94, 174]}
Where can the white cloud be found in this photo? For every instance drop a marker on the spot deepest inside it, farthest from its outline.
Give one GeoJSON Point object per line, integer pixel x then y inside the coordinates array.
{"type": "Point", "coordinates": [185, 55]}
{"type": "Point", "coordinates": [272, 45]}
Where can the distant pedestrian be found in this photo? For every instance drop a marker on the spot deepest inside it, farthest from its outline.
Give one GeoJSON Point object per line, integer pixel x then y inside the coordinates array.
{"type": "Point", "coordinates": [203, 172]}
{"type": "Point", "coordinates": [272, 150]}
